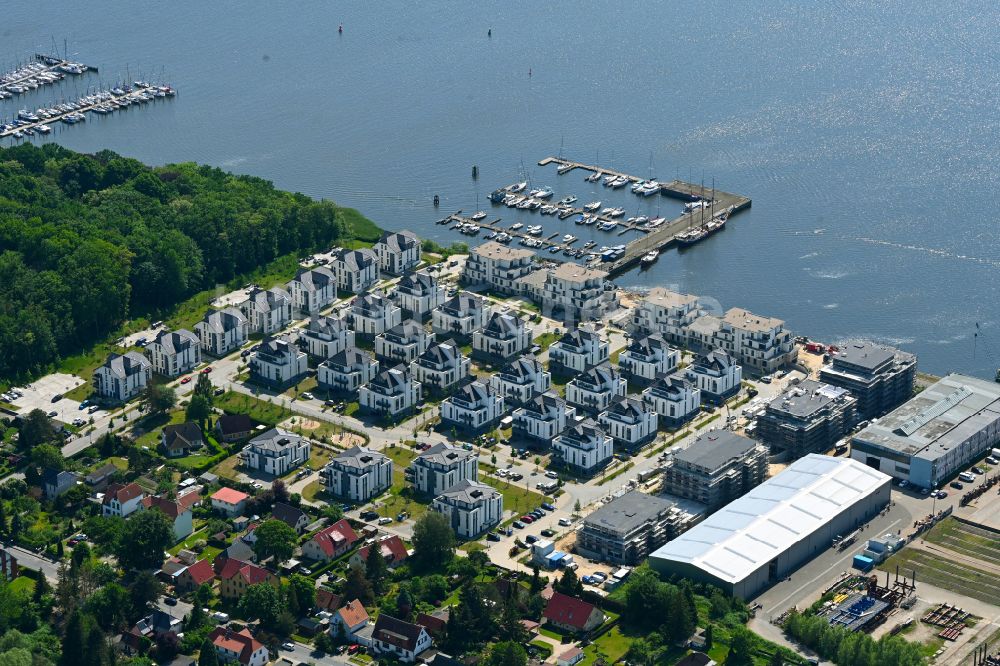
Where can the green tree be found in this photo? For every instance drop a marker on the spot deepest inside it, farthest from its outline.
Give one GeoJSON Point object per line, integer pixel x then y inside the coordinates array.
{"type": "Point", "coordinates": [506, 653]}
{"type": "Point", "coordinates": [357, 586]}
{"type": "Point", "coordinates": [709, 636]}
{"type": "Point", "coordinates": [199, 409]}
{"type": "Point", "coordinates": [203, 388]}
{"type": "Point", "coordinates": [207, 655]}
{"type": "Point", "coordinates": [376, 570]}
{"type": "Point", "coordinates": [109, 606]}
{"type": "Point", "coordinates": [740, 648]}
{"type": "Point", "coordinates": [143, 590]}
{"type": "Point", "coordinates": [304, 590]}
{"type": "Point", "coordinates": [776, 660]}
{"type": "Point", "coordinates": [144, 538]}
{"type": "Point", "coordinates": [324, 642]}
{"type": "Point", "coordinates": [640, 652]}
{"type": "Point", "coordinates": [275, 538]}
{"type": "Point", "coordinates": [433, 541]}
{"type": "Point", "coordinates": [263, 602]}
{"type": "Point", "coordinates": [36, 428]}
{"type": "Point", "coordinates": [569, 584]}
{"type": "Point", "coordinates": [160, 397]}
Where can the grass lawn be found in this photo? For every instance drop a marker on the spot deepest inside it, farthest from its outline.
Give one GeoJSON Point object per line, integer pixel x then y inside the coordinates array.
{"type": "Point", "coordinates": [23, 584]}
{"type": "Point", "coordinates": [189, 540]}
{"type": "Point", "coordinates": [400, 455]}
{"type": "Point", "coordinates": [307, 384]}
{"type": "Point", "coordinates": [312, 489]}
{"type": "Point", "coordinates": [227, 468]}
{"type": "Point", "coordinates": [257, 409]}
{"type": "Point", "coordinates": [546, 339]}
{"type": "Point", "coordinates": [612, 646]}
{"type": "Point", "coordinates": [515, 498]}
{"type": "Point", "coordinates": [153, 425]}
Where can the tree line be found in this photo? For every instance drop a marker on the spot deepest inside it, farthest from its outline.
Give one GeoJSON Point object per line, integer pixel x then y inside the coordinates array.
{"type": "Point", "coordinates": [89, 241]}
{"type": "Point", "coordinates": [851, 648]}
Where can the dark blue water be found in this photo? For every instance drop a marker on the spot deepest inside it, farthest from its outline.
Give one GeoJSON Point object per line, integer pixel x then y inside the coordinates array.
{"type": "Point", "coordinates": [865, 132]}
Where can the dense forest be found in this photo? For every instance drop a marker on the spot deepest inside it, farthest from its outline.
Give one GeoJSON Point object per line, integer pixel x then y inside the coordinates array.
{"type": "Point", "coordinates": [89, 241]}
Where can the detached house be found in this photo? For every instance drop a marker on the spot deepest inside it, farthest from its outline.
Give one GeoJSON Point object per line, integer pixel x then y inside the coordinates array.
{"type": "Point", "coordinates": [312, 290]}
{"type": "Point", "coordinates": [180, 439]}
{"type": "Point", "coordinates": [402, 343]}
{"type": "Point", "coordinates": [276, 452]}
{"type": "Point", "coordinates": [236, 577]}
{"type": "Point", "coordinates": [325, 337]}
{"type": "Point", "coordinates": [123, 376]}
{"type": "Point", "coordinates": [630, 422]}
{"type": "Point", "coordinates": [391, 548]}
{"type": "Point", "coordinates": [278, 363]}
{"type": "Point", "coordinates": [593, 391]}
{"type": "Point", "coordinates": [397, 251]}
{"type": "Point", "coordinates": [471, 507]}
{"type": "Point", "coordinates": [440, 467]}
{"type": "Point", "coordinates": [349, 620]}
{"type": "Point", "coordinates": [229, 501]}
{"type": "Point", "coordinates": [543, 417]}
{"type": "Point", "coordinates": [372, 314]}
{"type": "Point", "coordinates": [418, 294]}
{"type": "Point", "coordinates": [173, 353]}
{"type": "Point", "coordinates": [460, 316]}
{"type": "Point", "coordinates": [572, 614]}
{"type": "Point", "coordinates": [178, 511]}
{"type": "Point", "coordinates": [403, 640]}
{"type": "Point", "coordinates": [346, 372]}
{"type": "Point", "coordinates": [358, 474]}
{"type": "Point", "coordinates": [504, 337]}
{"type": "Point", "coordinates": [56, 482]}
{"type": "Point", "coordinates": [239, 646]}
{"type": "Point", "coordinates": [578, 351]}
{"type": "Point", "coordinates": [192, 577]}
{"type": "Point", "coordinates": [330, 543]}
{"type": "Point", "coordinates": [393, 392]}
{"type": "Point", "coordinates": [584, 447]}
{"type": "Point", "coordinates": [233, 427]}
{"type": "Point", "coordinates": [267, 311]}
{"type": "Point", "coordinates": [222, 331]}
{"type": "Point", "coordinates": [290, 515]}
{"type": "Point", "coordinates": [521, 380]}
{"type": "Point", "coordinates": [122, 500]}
{"type": "Point", "coordinates": [646, 358]}
{"type": "Point", "coordinates": [717, 376]}
{"type": "Point", "coordinates": [441, 368]}
{"type": "Point", "coordinates": [473, 408]}
{"type": "Point", "coordinates": [675, 400]}
{"type": "Point", "coordinates": [356, 270]}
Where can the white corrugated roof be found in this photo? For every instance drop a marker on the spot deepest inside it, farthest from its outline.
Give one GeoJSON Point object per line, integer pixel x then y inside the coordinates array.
{"type": "Point", "coordinates": [751, 531]}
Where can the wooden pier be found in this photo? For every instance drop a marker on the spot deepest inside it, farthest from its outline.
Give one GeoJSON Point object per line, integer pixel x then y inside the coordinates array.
{"type": "Point", "coordinates": [52, 63]}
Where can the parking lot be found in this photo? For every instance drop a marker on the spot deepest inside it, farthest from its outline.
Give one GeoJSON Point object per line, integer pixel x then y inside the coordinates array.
{"type": "Point", "coordinates": [38, 395]}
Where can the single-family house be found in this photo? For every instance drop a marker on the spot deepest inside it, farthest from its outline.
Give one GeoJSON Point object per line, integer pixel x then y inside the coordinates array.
{"type": "Point", "coordinates": [236, 577]}
{"type": "Point", "coordinates": [349, 620]}
{"type": "Point", "coordinates": [179, 511]}
{"type": "Point", "coordinates": [55, 482]}
{"type": "Point", "coordinates": [290, 515]}
{"type": "Point", "coordinates": [391, 548]}
{"type": "Point", "coordinates": [571, 614]}
{"type": "Point", "coordinates": [178, 440]}
{"type": "Point", "coordinates": [239, 646]}
{"type": "Point", "coordinates": [233, 427]}
{"type": "Point", "coordinates": [229, 501]}
{"type": "Point", "coordinates": [122, 499]}
{"type": "Point", "coordinates": [401, 639]}
{"type": "Point", "coordinates": [331, 542]}
{"type": "Point", "coordinates": [192, 577]}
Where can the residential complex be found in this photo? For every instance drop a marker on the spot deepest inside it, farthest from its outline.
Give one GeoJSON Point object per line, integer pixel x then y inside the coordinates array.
{"type": "Point", "coordinates": [809, 417]}
{"type": "Point", "coordinates": [222, 331]}
{"type": "Point", "coordinates": [358, 474]}
{"type": "Point", "coordinates": [473, 408]}
{"type": "Point", "coordinates": [440, 467]}
{"type": "Point", "coordinates": [571, 292]}
{"type": "Point", "coordinates": [278, 362]}
{"type": "Point", "coordinates": [460, 316]}
{"type": "Point", "coordinates": [123, 376]}
{"type": "Point", "coordinates": [630, 527]}
{"type": "Point", "coordinates": [397, 252]}
{"type": "Point", "coordinates": [498, 267]}
{"type": "Point", "coordinates": [356, 270]}
{"type": "Point", "coordinates": [276, 452]}
{"type": "Point", "coordinates": [715, 468]}
{"type": "Point", "coordinates": [471, 507]}
{"type": "Point", "coordinates": [881, 378]}
{"type": "Point", "coordinates": [312, 290]}
{"type": "Point", "coordinates": [173, 353]}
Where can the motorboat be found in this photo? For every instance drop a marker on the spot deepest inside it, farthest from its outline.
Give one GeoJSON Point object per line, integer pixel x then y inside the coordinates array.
{"type": "Point", "coordinates": [609, 180]}
{"type": "Point", "coordinates": [491, 235]}
{"type": "Point", "coordinates": [655, 222]}
{"type": "Point", "coordinates": [692, 206]}
{"type": "Point", "coordinates": [542, 193]}
{"type": "Point", "coordinates": [517, 187]}
{"type": "Point", "coordinates": [594, 177]}
{"type": "Point", "coordinates": [497, 196]}
{"type": "Point", "coordinates": [619, 182]}
{"type": "Point", "coordinates": [616, 212]}
{"type": "Point", "coordinates": [524, 204]}
{"type": "Point", "coordinates": [568, 238]}
{"type": "Point", "coordinates": [592, 206]}
{"type": "Point", "coordinates": [534, 204]}
{"type": "Point", "coordinates": [479, 215]}
{"type": "Point", "coordinates": [565, 201]}
{"type": "Point", "coordinates": [516, 226]}
{"type": "Point", "coordinates": [564, 168]}
{"type": "Point", "coordinates": [580, 219]}
{"type": "Point", "coordinates": [650, 257]}
{"type": "Point", "coordinates": [549, 210]}
{"type": "Point", "coordinates": [649, 188]}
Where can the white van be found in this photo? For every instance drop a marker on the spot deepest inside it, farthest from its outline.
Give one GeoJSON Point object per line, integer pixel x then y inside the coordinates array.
{"type": "Point", "coordinates": [968, 477]}
{"type": "Point", "coordinates": [996, 453]}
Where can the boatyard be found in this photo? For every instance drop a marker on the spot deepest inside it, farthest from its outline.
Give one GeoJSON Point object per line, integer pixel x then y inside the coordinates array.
{"type": "Point", "coordinates": [706, 211]}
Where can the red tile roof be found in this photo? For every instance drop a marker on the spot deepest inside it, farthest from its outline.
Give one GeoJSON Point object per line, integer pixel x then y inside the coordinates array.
{"type": "Point", "coordinates": [167, 506]}
{"type": "Point", "coordinates": [229, 496]}
{"type": "Point", "coordinates": [327, 600]}
{"type": "Point", "coordinates": [241, 642]}
{"type": "Point", "coordinates": [251, 573]}
{"type": "Point", "coordinates": [329, 539]}
{"type": "Point", "coordinates": [201, 572]}
{"type": "Point", "coordinates": [568, 611]}
{"type": "Point", "coordinates": [392, 549]}
{"type": "Point", "coordinates": [122, 492]}
{"type": "Point", "coordinates": [353, 614]}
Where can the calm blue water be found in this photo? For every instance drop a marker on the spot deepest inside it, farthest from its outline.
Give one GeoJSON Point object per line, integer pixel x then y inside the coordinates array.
{"type": "Point", "coordinates": [865, 132]}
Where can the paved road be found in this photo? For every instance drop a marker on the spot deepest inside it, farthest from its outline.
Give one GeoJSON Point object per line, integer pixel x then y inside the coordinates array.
{"type": "Point", "coordinates": [30, 560]}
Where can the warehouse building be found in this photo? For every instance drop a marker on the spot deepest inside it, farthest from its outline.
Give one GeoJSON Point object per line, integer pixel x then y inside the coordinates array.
{"type": "Point", "coordinates": [809, 417]}
{"type": "Point", "coordinates": [939, 432]}
{"type": "Point", "coordinates": [879, 377]}
{"type": "Point", "coordinates": [628, 528]}
{"type": "Point", "coordinates": [716, 468]}
{"type": "Point", "coordinates": [762, 537]}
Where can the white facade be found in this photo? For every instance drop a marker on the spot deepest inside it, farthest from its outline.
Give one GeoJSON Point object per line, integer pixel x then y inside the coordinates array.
{"type": "Point", "coordinates": [123, 376]}
{"type": "Point", "coordinates": [543, 417]}
{"type": "Point", "coordinates": [584, 446]}
{"type": "Point", "coordinates": [173, 353]}
{"type": "Point", "coordinates": [460, 316]}
{"type": "Point", "coordinates": [397, 252]}
{"type": "Point", "coordinates": [504, 337]}
{"type": "Point", "coordinates": [441, 467]}
{"type": "Point", "coordinates": [759, 343]}
{"type": "Point", "coordinates": [358, 474]}
{"type": "Point", "coordinates": [717, 375]}
{"type": "Point", "coordinates": [521, 380]}
{"type": "Point", "coordinates": [497, 267]}
{"type": "Point", "coordinates": [312, 290]}
{"type": "Point", "coordinates": [347, 371]}
{"type": "Point", "coordinates": [268, 311]}
{"type": "Point", "coordinates": [594, 391]}
{"type": "Point", "coordinates": [327, 336]}
{"type": "Point", "coordinates": [278, 362]}
{"type": "Point", "coordinates": [122, 500]}
{"type": "Point", "coordinates": [571, 292]}
{"type": "Point", "coordinates": [402, 343]}
{"type": "Point", "coordinates": [440, 368]}
{"type": "Point", "coordinates": [578, 350]}
{"type": "Point", "coordinates": [629, 422]}
{"type": "Point", "coordinates": [470, 507]}
{"type": "Point", "coordinates": [418, 294]}
{"type": "Point", "coordinates": [674, 399]}
{"type": "Point", "coordinates": [473, 407]}
{"type": "Point", "coordinates": [276, 452]}
{"type": "Point", "coordinates": [667, 313]}
{"type": "Point", "coordinates": [356, 270]}
{"type": "Point", "coordinates": [373, 314]}
{"type": "Point", "coordinates": [393, 391]}
{"type": "Point", "coordinates": [222, 331]}
{"type": "Point", "coordinates": [647, 357]}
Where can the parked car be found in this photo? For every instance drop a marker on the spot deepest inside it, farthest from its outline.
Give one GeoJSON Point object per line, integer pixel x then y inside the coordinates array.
{"type": "Point", "coordinates": [531, 538]}
{"type": "Point", "coordinates": [288, 645]}
{"type": "Point", "coordinates": [185, 380]}
{"type": "Point", "coordinates": [527, 519]}
{"type": "Point", "coordinates": [990, 460]}
{"type": "Point", "coordinates": [93, 408]}
{"type": "Point", "coordinates": [53, 414]}
{"type": "Point", "coordinates": [516, 476]}
{"type": "Point", "coordinates": [587, 580]}
{"type": "Point", "coordinates": [547, 533]}
{"type": "Point", "coordinates": [492, 536]}
{"type": "Point", "coordinates": [57, 397]}
{"type": "Point", "coordinates": [218, 390]}
{"type": "Point", "coordinates": [307, 395]}
{"type": "Point", "coordinates": [565, 522]}
{"type": "Point", "coordinates": [384, 521]}
{"type": "Point", "coordinates": [977, 470]}
{"type": "Point", "coordinates": [368, 515]}
{"type": "Point", "coordinates": [207, 370]}
{"type": "Point", "coordinates": [552, 475]}
{"type": "Point", "coordinates": [941, 494]}
{"type": "Point", "coordinates": [548, 507]}
{"type": "Point", "coordinates": [956, 485]}
{"type": "Point", "coordinates": [518, 524]}
{"type": "Point", "coordinates": [170, 601]}
{"type": "Point", "coordinates": [219, 616]}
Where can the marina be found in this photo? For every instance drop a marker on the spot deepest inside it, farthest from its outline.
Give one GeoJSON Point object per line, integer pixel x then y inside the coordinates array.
{"type": "Point", "coordinates": [45, 70]}
{"type": "Point", "coordinates": [706, 211]}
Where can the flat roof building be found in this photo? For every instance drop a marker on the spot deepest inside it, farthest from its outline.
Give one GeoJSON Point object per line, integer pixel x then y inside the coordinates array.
{"type": "Point", "coordinates": [716, 468]}
{"type": "Point", "coordinates": [809, 417]}
{"type": "Point", "coordinates": [628, 528]}
{"type": "Point", "coordinates": [936, 434]}
{"type": "Point", "coordinates": [879, 377]}
{"type": "Point", "coordinates": [760, 538]}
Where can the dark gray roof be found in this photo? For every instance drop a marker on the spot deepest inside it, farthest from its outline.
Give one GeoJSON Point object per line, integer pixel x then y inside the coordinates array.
{"type": "Point", "coordinates": [463, 304]}
{"type": "Point", "coordinates": [270, 299]}
{"type": "Point", "coordinates": [628, 408]}
{"type": "Point", "coordinates": [716, 360]}
{"type": "Point", "coordinates": [176, 341]}
{"type": "Point", "coordinates": [470, 492]}
{"type": "Point", "coordinates": [391, 380]}
{"type": "Point", "coordinates": [417, 284]}
{"type": "Point", "coordinates": [399, 240]}
{"type": "Point", "coordinates": [580, 337]}
{"type": "Point", "coordinates": [220, 321]}
{"type": "Point", "coordinates": [522, 367]}
{"type": "Point", "coordinates": [277, 347]}
{"type": "Point", "coordinates": [408, 331]}
{"type": "Point", "coordinates": [714, 449]}
{"type": "Point", "coordinates": [865, 355]}
{"type": "Point", "coordinates": [368, 304]}
{"type": "Point", "coordinates": [473, 393]}
{"type": "Point", "coordinates": [326, 326]}
{"type": "Point", "coordinates": [670, 384]}
{"type": "Point", "coordinates": [287, 513]}
{"type": "Point", "coordinates": [443, 353]}
{"type": "Point", "coordinates": [356, 259]}
{"type": "Point", "coordinates": [275, 439]}
{"type": "Point", "coordinates": [648, 344]}
{"type": "Point", "coordinates": [182, 435]}
{"type": "Point", "coordinates": [129, 363]}
{"type": "Point", "coordinates": [602, 376]}
{"type": "Point", "coordinates": [350, 359]}
{"type": "Point", "coordinates": [445, 454]}
{"type": "Point", "coordinates": [315, 278]}
{"type": "Point", "coordinates": [806, 398]}
{"type": "Point", "coordinates": [502, 325]}
{"type": "Point", "coordinates": [628, 512]}
{"type": "Point", "coordinates": [583, 434]}
{"type": "Point", "coordinates": [359, 457]}
{"type": "Point", "coordinates": [542, 404]}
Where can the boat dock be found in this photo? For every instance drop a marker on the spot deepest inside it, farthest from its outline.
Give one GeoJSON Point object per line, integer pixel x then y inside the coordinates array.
{"type": "Point", "coordinates": [45, 64]}
{"type": "Point", "coordinates": [520, 234]}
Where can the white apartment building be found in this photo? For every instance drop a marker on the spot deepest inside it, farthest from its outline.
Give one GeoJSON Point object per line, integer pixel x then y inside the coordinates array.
{"type": "Point", "coordinates": [397, 251]}
{"type": "Point", "coordinates": [441, 467]}
{"type": "Point", "coordinates": [173, 353]}
{"type": "Point", "coordinates": [717, 376]}
{"type": "Point", "coordinates": [345, 373]}
{"type": "Point", "coordinates": [521, 380]}
{"type": "Point", "coordinates": [267, 311]}
{"type": "Point", "coordinates": [578, 350]}
{"type": "Point", "coordinates": [474, 408]}
{"type": "Point", "coordinates": [222, 331]}
{"type": "Point", "coordinates": [278, 362]}
{"type": "Point", "coordinates": [372, 314]}
{"type": "Point", "coordinates": [356, 270]}
{"type": "Point", "coordinates": [667, 313]}
{"type": "Point", "coordinates": [460, 316]}
{"type": "Point", "coordinates": [629, 422]}
{"type": "Point", "coordinates": [497, 267]}
{"type": "Point", "coordinates": [327, 336]}
{"type": "Point", "coordinates": [441, 367]}
{"type": "Point", "coordinates": [312, 290]}
{"type": "Point", "coordinates": [593, 391]}
{"type": "Point", "coordinates": [393, 392]}
{"type": "Point", "coordinates": [418, 294]}
{"type": "Point", "coordinates": [571, 292]}
{"type": "Point", "coordinates": [583, 447]}
{"type": "Point", "coordinates": [504, 337]}
{"type": "Point", "coordinates": [470, 507]}
{"type": "Point", "coordinates": [646, 357]}
{"type": "Point", "coordinates": [402, 343]}
{"type": "Point", "coordinates": [675, 400]}
{"type": "Point", "coordinates": [358, 474]}
{"type": "Point", "coordinates": [543, 417]}
{"type": "Point", "coordinates": [123, 376]}
{"type": "Point", "coordinates": [276, 452]}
